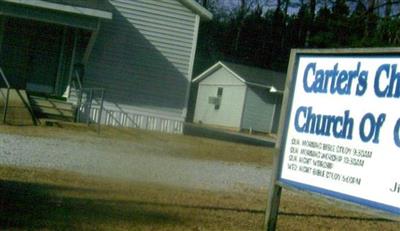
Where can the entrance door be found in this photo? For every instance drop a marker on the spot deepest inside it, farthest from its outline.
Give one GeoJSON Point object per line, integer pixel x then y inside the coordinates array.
{"type": "Point", "coordinates": [30, 54]}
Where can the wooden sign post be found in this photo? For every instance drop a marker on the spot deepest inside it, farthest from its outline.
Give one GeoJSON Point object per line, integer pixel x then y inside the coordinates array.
{"type": "Point", "coordinates": [340, 129]}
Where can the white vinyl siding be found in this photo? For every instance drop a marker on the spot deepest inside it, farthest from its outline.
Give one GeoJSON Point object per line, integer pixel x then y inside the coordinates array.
{"type": "Point", "coordinates": [142, 57]}
{"type": "Point", "coordinates": [229, 113]}
{"type": "Point", "coordinates": [222, 77]}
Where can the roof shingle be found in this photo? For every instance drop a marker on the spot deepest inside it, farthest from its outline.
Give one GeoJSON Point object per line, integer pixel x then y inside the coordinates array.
{"type": "Point", "coordinates": [258, 75]}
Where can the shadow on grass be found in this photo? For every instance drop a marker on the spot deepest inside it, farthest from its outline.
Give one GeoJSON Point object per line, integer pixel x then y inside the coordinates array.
{"type": "Point", "coordinates": [217, 134]}
{"type": "Point", "coordinates": [36, 206]}
{"type": "Point", "coordinates": [39, 206]}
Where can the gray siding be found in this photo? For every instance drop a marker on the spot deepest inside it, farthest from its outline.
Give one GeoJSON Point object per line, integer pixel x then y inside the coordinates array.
{"type": "Point", "coordinates": [259, 109]}
{"type": "Point", "coordinates": [277, 115]}
{"type": "Point", "coordinates": [230, 112]}
{"type": "Point", "coordinates": [142, 58]}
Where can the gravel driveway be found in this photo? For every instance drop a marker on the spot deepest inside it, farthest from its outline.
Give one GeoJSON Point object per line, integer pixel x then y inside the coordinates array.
{"type": "Point", "coordinates": [129, 161]}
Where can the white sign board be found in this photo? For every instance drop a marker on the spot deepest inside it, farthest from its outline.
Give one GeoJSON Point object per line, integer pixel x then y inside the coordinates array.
{"type": "Point", "coordinates": [342, 131]}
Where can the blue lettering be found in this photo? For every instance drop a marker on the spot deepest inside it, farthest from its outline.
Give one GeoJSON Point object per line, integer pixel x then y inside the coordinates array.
{"type": "Point", "coordinates": [394, 83]}
{"type": "Point", "coordinates": [362, 83]}
{"type": "Point", "coordinates": [320, 85]}
{"type": "Point", "coordinates": [397, 134]}
{"type": "Point", "coordinates": [296, 118]}
{"type": "Point", "coordinates": [334, 81]}
{"type": "Point", "coordinates": [367, 137]}
{"type": "Point", "coordinates": [323, 125]}
{"type": "Point", "coordinates": [382, 71]}
{"type": "Point", "coordinates": [353, 75]}
{"type": "Point", "coordinates": [310, 67]}
{"type": "Point", "coordinates": [391, 87]}
{"type": "Point", "coordinates": [374, 127]}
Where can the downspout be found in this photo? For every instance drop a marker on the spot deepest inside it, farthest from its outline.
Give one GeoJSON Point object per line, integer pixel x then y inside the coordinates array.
{"type": "Point", "coordinates": [243, 107]}
{"type": "Point", "coordinates": [191, 64]}
{"type": "Point", "coordinates": [271, 125]}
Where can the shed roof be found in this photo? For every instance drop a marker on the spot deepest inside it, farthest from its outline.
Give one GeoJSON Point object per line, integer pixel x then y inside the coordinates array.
{"type": "Point", "coordinates": [250, 75]}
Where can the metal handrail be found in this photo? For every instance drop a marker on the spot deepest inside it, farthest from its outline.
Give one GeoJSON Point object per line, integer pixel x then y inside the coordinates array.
{"type": "Point", "coordinates": [78, 79]}
{"type": "Point", "coordinates": [7, 96]}
{"type": "Point", "coordinates": [89, 100]}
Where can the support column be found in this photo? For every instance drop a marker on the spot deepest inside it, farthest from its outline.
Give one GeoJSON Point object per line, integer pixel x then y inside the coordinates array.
{"type": "Point", "coordinates": [71, 66]}
{"type": "Point", "coordinates": [61, 63]}
{"type": "Point", "coordinates": [91, 43]}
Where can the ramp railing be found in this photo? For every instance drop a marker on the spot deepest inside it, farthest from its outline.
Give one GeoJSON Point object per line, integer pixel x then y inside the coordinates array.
{"type": "Point", "coordinates": [5, 96]}
{"type": "Point", "coordinates": [88, 99]}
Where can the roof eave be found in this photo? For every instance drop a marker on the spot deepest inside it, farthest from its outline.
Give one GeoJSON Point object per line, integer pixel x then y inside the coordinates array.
{"type": "Point", "coordinates": [207, 72]}
{"type": "Point", "coordinates": [272, 88]}
{"type": "Point", "coordinates": [198, 9]}
{"type": "Point", "coordinates": [64, 8]}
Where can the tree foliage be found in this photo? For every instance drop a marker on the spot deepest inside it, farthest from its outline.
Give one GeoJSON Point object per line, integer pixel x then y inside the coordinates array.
{"type": "Point", "coordinates": [262, 32]}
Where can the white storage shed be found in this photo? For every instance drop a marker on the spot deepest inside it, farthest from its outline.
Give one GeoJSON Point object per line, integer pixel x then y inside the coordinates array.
{"type": "Point", "coordinates": [239, 97]}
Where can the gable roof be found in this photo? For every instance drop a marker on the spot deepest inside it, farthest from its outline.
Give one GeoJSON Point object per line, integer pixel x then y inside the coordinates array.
{"type": "Point", "coordinates": [254, 76]}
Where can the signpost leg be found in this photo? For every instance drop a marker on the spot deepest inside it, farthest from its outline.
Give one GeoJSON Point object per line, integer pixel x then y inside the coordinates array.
{"type": "Point", "coordinates": [271, 216]}
{"type": "Point", "coordinates": [274, 198]}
